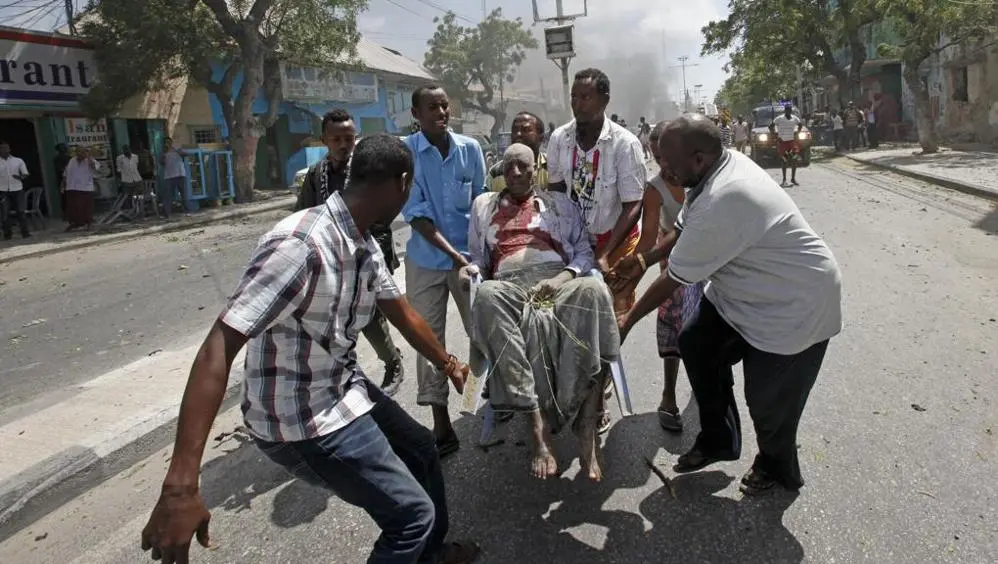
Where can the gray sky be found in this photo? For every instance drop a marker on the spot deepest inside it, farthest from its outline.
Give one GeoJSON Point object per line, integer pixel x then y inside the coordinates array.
{"type": "Point", "coordinates": [614, 28]}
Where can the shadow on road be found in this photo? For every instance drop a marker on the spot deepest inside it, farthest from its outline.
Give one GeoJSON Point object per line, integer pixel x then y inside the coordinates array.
{"type": "Point", "coordinates": [520, 519]}
{"type": "Point", "coordinates": [989, 222]}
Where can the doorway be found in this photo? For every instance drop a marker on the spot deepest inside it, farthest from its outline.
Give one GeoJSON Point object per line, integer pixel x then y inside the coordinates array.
{"type": "Point", "coordinates": [20, 134]}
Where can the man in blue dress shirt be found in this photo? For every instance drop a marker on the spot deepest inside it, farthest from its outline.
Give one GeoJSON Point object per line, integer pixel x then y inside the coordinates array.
{"type": "Point", "coordinates": [450, 173]}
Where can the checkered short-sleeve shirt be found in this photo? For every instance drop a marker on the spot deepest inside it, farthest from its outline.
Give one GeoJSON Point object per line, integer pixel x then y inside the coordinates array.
{"type": "Point", "coordinates": [310, 288]}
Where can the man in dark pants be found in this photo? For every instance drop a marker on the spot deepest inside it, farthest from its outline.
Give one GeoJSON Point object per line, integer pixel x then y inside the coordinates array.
{"type": "Point", "coordinates": [330, 175]}
{"type": "Point", "coordinates": [773, 301]}
{"type": "Point", "coordinates": [12, 174]}
{"type": "Point", "coordinates": [314, 281]}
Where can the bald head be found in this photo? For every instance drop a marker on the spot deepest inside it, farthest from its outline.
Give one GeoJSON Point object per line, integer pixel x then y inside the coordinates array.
{"type": "Point", "coordinates": [697, 133]}
{"type": "Point", "coordinates": [690, 145]}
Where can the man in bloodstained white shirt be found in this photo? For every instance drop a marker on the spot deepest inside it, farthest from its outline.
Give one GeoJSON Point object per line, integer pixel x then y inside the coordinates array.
{"type": "Point", "coordinates": [787, 127]}
{"type": "Point", "coordinates": [601, 165]}
{"type": "Point", "coordinates": [772, 301]}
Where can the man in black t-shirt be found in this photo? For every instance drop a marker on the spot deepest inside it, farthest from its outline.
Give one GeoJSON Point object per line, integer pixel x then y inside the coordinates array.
{"type": "Point", "coordinates": [330, 175]}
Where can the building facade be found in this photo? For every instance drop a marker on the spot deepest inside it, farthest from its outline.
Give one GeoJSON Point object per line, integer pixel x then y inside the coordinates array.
{"type": "Point", "coordinates": [378, 97]}
{"type": "Point", "coordinates": [43, 76]}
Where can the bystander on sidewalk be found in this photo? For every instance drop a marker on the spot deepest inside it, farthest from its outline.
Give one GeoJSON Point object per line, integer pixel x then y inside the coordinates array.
{"type": "Point", "coordinates": [974, 172]}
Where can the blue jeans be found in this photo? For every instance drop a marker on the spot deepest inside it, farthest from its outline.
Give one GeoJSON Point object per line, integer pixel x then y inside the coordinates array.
{"type": "Point", "coordinates": [386, 463]}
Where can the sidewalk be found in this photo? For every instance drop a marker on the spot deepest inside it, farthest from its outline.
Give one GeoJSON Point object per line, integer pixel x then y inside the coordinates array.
{"type": "Point", "coordinates": [55, 240]}
{"type": "Point", "coordinates": [972, 172]}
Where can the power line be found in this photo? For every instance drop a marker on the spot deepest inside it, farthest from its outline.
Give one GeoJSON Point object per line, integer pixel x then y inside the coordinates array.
{"type": "Point", "coordinates": [27, 14]}
{"type": "Point", "coordinates": [408, 9]}
{"type": "Point", "coordinates": [440, 8]}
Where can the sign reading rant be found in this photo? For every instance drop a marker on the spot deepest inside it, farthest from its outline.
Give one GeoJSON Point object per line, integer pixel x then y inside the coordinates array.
{"type": "Point", "coordinates": [307, 84]}
{"type": "Point", "coordinates": [43, 68]}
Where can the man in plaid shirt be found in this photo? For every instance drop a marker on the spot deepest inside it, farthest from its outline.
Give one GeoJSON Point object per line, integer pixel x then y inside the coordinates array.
{"type": "Point", "coordinates": [312, 286]}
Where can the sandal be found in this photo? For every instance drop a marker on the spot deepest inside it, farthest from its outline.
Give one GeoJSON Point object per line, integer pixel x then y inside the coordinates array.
{"type": "Point", "coordinates": [448, 446]}
{"type": "Point", "coordinates": [697, 459]}
{"type": "Point", "coordinates": [605, 422]}
{"type": "Point", "coordinates": [459, 552]}
{"type": "Point", "coordinates": [670, 421]}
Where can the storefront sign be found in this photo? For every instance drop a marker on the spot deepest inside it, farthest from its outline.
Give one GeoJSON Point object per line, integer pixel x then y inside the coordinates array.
{"type": "Point", "coordinates": [41, 68]}
{"type": "Point", "coordinates": [93, 135]}
{"type": "Point", "coordinates": [306, 84]}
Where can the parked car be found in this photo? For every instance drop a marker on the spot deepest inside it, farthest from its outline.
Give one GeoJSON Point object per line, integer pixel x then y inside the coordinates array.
{"type": "Point", "coordinates": [764, 140]}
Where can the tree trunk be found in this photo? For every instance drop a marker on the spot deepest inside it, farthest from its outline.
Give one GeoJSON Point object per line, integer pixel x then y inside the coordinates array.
{"type": "Point", "coordinates": [244, 130]}
{"type": "Point", "coordinates": [928, 137]}
{"type": "Point", "coordinates": [497, 119]}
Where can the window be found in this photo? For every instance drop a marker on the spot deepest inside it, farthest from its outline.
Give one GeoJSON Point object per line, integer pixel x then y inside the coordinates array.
{"type": "Point", "coordinates": [370, 126]}
{"type": "Point", "coordinates": [205, 134]}
{"type": "Point", "coordinates": [960, 91]}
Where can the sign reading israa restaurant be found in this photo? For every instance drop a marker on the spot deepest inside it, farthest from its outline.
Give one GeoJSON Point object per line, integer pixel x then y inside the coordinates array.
{"type": "Point", "coordinates": [43, 69]}
{"type": "Point", "coordinates": [307, 84]}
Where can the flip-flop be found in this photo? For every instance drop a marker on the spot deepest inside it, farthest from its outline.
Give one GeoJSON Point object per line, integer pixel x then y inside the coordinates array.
{"type": "Point", "coordinates": [670, 421]}
{"type": "Point", "coordinates": [448, 447]}
{"type": "Point", "coordinates": [605, 422]}
{"type": "Point", "coordinates": [460, 552]}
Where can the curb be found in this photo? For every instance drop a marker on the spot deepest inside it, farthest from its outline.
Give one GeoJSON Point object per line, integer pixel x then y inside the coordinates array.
{"type": "Point", "coordinates": [965, 187]}
{"type": "Point", "coordinates": [168, 228]}
{"type": "Point", "coordinates": [46, 486]}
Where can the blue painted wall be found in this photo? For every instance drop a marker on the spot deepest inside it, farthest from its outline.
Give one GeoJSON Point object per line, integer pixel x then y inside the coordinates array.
{"type": "Point", "coordinates": [301, 119]}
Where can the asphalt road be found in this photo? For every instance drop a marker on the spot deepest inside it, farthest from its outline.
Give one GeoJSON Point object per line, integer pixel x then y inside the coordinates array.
{"type": "Point", "coordinates": [70, 317]}
{"type": "Point", "coordinates": [897, 445]}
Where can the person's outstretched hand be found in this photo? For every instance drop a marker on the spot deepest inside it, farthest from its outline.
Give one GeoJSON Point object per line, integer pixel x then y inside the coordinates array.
{"type": "Point", "coordinates": [179, 514]}
{"type": "Point", "coordinates": [457, 372]}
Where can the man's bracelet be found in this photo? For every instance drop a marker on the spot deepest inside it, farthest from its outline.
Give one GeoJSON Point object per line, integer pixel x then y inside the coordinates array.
{"type": "Point", "coordinates": [641, 261]}
{"type": "Point", "coordinates": [451, 361]}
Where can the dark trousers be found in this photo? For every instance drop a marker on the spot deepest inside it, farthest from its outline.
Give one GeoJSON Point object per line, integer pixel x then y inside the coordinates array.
{"type": "Point", "coordinates": [776, 390]}
{"type": "Point", "coordinates": [851, 137]}
{"type": "Point", "coordinates": [387, 464]}
{"type": "Point", "coordinates": [13, 202]}
{"type": "Point", "coordinates": [379, 335]}
{"type": "Point", "coordinates": [872, 135]}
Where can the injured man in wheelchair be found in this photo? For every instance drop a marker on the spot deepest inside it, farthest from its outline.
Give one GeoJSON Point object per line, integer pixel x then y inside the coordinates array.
{"type": "Point", "coordinates": [544, 323]}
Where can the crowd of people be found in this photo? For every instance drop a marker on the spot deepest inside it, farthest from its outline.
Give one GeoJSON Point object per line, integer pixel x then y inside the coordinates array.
{"type": "Point", "coordinates": [556, 244]}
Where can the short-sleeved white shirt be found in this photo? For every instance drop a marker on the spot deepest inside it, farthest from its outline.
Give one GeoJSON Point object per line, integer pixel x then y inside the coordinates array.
{"type": "Point", "coordinates": [619, 172]}
{"type": "Point", "coordinates": [771, 277]}
{"type": "Point", "coordinates": [786, 127]}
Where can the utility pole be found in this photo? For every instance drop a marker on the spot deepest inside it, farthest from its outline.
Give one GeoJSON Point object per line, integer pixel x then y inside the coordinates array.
{"type": "Point", "coordinates": [563, 64]}
{"type": "Point", "coordinates": [560, 43]}
{"type": "Point", "coordinates": [686, 93]}
{"type": "Point", "coordinates": [70, 17]}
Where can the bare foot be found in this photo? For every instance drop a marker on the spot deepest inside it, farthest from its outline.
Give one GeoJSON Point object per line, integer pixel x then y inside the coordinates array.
{"type": "Point", "coordinates": [543, 464]}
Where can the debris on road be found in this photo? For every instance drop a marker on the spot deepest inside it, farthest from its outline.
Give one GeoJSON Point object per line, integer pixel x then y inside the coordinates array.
{"type": "Point", "coordinates": [661, 476]}
{"type": "Point", "coordinates": [33, 323]}
{"type": "Point", "coordinates": [182, 267]}
{"type": "Point", "coordinates": [155, 352]}
{"type": "Point", "coordinates": [917, 407]}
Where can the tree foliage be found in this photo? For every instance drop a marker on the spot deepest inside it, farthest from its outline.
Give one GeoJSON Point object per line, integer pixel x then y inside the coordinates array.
{"type": "Point", "coordinates": [776, 35]}
{"type": "Point", "coordinates": [750, 82]}
{"type": "Point", "coordinates": [474, 63]}
{"type": "Point", "coordinates": [218, 44]}
{"type": "Point", "coordinates": [927, 27]}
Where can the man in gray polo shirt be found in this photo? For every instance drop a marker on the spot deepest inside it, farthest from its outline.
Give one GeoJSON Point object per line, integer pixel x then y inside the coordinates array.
{"type": "Point", "coordinates": [772, 302]}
